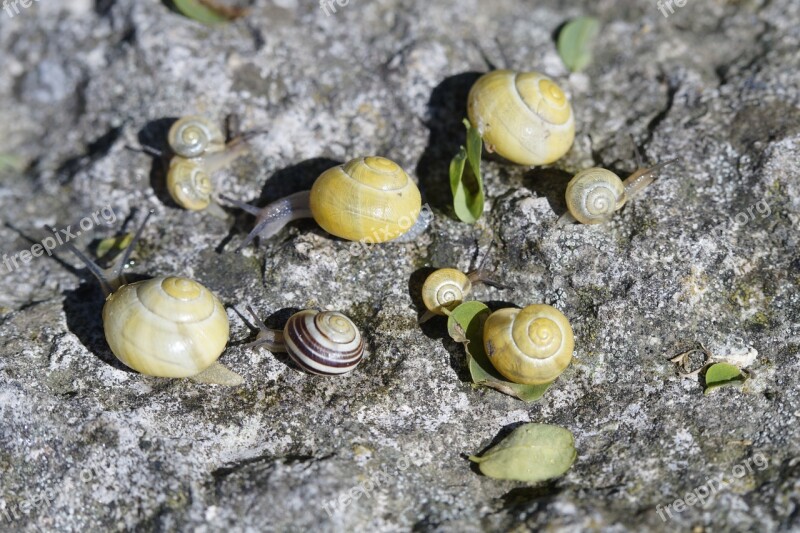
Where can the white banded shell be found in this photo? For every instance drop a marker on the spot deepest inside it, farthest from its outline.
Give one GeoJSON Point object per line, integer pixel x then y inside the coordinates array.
{"type": "Point", "coordinates": [594, 194]}
{"type": "Point", "coordinates": [168, 326]}
{"type": "Point", "coordinates": [189, 184]}
{"type": "Point", "coordinates": [192, 136]}
{"type": "Point", "coordinates": [325, 342]}
{"type": "Point", "coordinates": [445, 288]}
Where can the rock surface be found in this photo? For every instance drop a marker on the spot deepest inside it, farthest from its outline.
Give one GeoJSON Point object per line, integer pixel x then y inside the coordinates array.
{"type": "Point", "coordinates": [708, 254]}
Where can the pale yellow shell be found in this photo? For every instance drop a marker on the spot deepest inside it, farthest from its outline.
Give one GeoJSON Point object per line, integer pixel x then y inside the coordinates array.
{"type": "Point", "coordinates": [525, 117]}
{"type": "Point", "coordinates": [530, 346]}
{"type": "Point", "coordinates": [168, 326]}
{"type": "Point", "coordinates": [444, 289]}
{"type": "Point", "coordinates": [193, 136]}
{"type": "Point", "coordinates": [594, 194]}
{"type": "Point", "coordinates": [368, 199]}
{"type": "Point", "coordinates": [189, 184]}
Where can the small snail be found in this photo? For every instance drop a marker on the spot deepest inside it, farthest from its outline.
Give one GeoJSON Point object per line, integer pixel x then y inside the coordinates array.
{"type": "Point", "coordinates": [193, 136]}
{"type": "Point", "coordinates": [530, 346]}
{"type": "Point", "coordinates": [594, 194]}
{"type": "Point", "coordinates": [167, 326]}
{"type": "Point", "coordinates": [200, 150]}
{"type": "Point", "coordinates": [523, 116]}
{"type": "Point", "coordinates": [368, 199]}
{"type": "Point", "coordinates": [446, 288]}
{"type": "Point", "coordinates": [326, 343]}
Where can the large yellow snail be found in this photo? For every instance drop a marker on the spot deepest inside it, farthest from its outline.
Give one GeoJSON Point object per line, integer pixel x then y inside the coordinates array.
{"type": "Point", "coordinates": [368, 199]}
{"type": "Point", "coordinates": [200, 150]}
{"type": "Point", "coordinates": [167, 326]}
{"type": "Point", "coordinates": [594, 194]}
{"type": "Point", "coordinates": [523, 116]}
{"type": "Point", "coordinates": [325, 343]}
{"type": "Point", "coordinates": [531, 346]}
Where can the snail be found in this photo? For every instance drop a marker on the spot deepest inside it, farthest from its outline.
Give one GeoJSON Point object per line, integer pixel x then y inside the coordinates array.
{"type": "Point", "coordinates": [594, 194]}
{"type": "Point", "coordinates": [368, 199]}
{"type": "Point", "coordinates": [530, 346]}
{"type": "Point", "coordinates": [523, 116]}
{"type": "Point", "coordinates": [167, 326]}
{"type": "Point", "coordinates": [446, 288]}
{"type": "Point", "coordinates": [200, 150]}
{"type": "Point", "coordinates": [325, 343]}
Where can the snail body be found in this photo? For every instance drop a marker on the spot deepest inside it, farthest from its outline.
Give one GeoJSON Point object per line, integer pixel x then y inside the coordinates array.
{"type": "Point", "coordinates": [167, 326]}
{"type": "Point", "coordinates": [319, 342]}
{"type": "Point", "coordinates": [595, 194]}
{"type": "Point", "coordinates": [530, 346]}
{"type": "Point", "coordinates": [368, 199]}
{"type": "Point", "coordinates": [523, 116]}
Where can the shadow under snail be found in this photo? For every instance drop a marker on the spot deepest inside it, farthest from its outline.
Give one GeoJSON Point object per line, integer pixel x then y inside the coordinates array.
{"type": "Point", "coordinates": [368, 199]}
{"type": "Point", "coordinates": [167, 326]}
{"type": "Point", "coordinates": [200, 150]}
{"type": "Point", "coordinates": [595, 194]}
{"type": "Point", "coordinates": [324, 343]}
{"type": "Point", "coordinates": [523, 116]}
{"type": "Point", "coordinates": [530, 346]}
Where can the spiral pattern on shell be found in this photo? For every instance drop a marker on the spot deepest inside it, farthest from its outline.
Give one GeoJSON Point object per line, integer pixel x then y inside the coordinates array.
{"type": "Point", "coordinates": [189, 184]}
{"type": "Point", "coordinates": [167, 326]}
{"type": "Point", "coordinates": [529, 346]}
{"type": "Point", "coordinates": [444, 289]}
{"type": "Point", "coordinates": [523, 116]}
{"type": "Point", "coordinates": [594, 194]}
{"type": "Point", "coordinates": [326, 343]}
{"type": "Point", "coordinates": [368, 199]}
{"type": "Point", "coordinates": [192, 136]}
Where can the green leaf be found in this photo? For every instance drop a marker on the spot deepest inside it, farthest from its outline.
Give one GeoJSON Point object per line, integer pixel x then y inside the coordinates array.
{"type": "Point", "coordinates": [466, 182]}
{"type": "Point", "coordinates": [532, 453]}
{"type": "Point", "coordinates": [113, 245]}
{"type": "Point", "coordinates": [722, 374]}
{"type": "Point", "coordinates": [12, 162]}
{"type": "Point", "coordinates": [465, 325]}
{"type": "Point", "coordinates": [207, 11]}
{"type": "Point", "coordinates": [575, 42]}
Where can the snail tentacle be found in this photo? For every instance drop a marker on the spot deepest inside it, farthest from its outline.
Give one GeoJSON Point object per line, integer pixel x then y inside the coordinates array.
{"type": "Point", "coordinates": [273, 217]}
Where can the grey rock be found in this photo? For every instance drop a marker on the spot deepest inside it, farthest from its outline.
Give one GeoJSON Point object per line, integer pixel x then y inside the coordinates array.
{"type": "Point", "coordinates": [708, 254]}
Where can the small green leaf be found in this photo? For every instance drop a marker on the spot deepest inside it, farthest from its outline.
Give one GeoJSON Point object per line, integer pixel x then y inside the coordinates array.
{"type": "Point", "coordinates": [466, 182]}
{"type": "Point", "coordinates": [722, 374]}
{"type": "Point", "coordinates": [575, 42]}
{"type": "Point", "coordinates": [113, 245]}
{"type": "Point", "coordinates": [465, 325]}
{"type": "Point", "coordinates": [11, 162]}
{"type": "Point", "coordinates": [531, 453]}
{"type": "Point", "coordinates": [208, 12]}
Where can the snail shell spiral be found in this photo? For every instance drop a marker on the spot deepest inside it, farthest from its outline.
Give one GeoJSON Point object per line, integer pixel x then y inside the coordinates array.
{"type": "Point", "coordinates": [523, 116]}
{"type": "Point", "coordinates": [326, 343]}
{"type": "Point", "coordinates": [445, 288]}
{"type": "Point", "coordinates": [594, 194]}
{"type": "Point", "coordinates": [369, 199]}
{"type": "Point", "coordinates": [189, 184]}
{"type": "Point", "coordinates": [530, 346]}
{"type": "Point", "coordinates": [192, 136]}
{"type": "Point", "coordinates": [167, 326]}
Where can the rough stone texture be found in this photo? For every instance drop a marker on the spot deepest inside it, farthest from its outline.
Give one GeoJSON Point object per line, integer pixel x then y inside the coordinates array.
{"type": "Point", "coordinates": [716, 85]}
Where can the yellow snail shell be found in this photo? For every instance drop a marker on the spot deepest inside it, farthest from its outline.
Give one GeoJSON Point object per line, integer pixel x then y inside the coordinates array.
{"type": "Point", "coordinates": [445, 288]}
{"type": "Point", "coordinates": [530, 346]}
{"type": "Point", "coordinates": [189, 184]}
{"type": "Point", "coordinates": [523, 116]}
{"type": "Point", "coordinates": [193, 136]}
{"type": "Point", "coordinates": [594, 194]}
{"type": "Point", "coordinates": [368, 198]}
{"type": "Point", "coordinates": [168, 326]}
